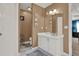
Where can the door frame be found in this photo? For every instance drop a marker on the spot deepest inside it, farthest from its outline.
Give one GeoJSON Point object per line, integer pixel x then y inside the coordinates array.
{"type": "Point", "coordinates": [19, 26]}
{"type": "Point", "coordinates": [70, 29]}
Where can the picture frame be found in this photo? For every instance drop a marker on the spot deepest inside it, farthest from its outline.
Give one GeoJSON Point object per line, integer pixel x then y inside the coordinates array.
{"type": "Point", "coordinates": [22, 18]}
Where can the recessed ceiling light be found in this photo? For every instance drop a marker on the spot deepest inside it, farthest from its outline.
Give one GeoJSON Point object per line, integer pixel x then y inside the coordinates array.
{"type": "Point", "coordinates": [29, 9]}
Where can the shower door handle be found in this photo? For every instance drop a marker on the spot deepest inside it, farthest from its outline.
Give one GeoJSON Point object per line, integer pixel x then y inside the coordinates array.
{"type": "Point", "coordinates": [0, 34]}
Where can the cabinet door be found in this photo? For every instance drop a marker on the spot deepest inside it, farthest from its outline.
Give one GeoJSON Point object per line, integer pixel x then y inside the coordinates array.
{"type": "Point", "coordinates": [43, 43]}
{"type": "Point", "coordinates": [39, 42]}
{"type": "Point", "coordinates": [52, 46]}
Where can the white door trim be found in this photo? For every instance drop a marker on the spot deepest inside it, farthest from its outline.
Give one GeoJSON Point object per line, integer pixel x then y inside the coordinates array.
{"type": "Point", "coordinates": [70, 30]}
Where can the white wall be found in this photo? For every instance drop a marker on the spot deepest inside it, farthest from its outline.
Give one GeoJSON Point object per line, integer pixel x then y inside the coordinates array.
{"type": "Point", "coordinates": [75, 11]}
{"type": "Point", "coordinates": [10, 30]}
{"type": "Point", "coordinates": [24, 6]}
{"type": "Point", "coordinates": [75, 16]}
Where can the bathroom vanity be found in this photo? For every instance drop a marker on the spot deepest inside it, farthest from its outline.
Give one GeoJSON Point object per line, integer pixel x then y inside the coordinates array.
{"type": "Point", "coordinates": [51, 43]}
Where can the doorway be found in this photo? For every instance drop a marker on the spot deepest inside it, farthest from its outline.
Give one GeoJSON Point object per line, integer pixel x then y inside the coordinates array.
{"type": "Point", "coordinates": [25, 25]}
{"type": "Point", "coordinates": [75, 28]}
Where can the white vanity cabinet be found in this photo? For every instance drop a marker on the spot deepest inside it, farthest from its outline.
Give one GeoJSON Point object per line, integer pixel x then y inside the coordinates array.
{"type": "Point", "coordinates": [51, 44]}
{"type": "Point", "coordinates": [56, 46]}
{"type": "Point", "coordinates": [43, 42]}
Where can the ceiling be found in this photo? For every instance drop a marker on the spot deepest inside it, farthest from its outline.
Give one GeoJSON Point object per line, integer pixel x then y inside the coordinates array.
{"type": "Point", "coordinates": [44, 5]}
{"type": "Point", "coordinates": [75, 8]}
{"type": "Point", "coordinates": [26, 5]}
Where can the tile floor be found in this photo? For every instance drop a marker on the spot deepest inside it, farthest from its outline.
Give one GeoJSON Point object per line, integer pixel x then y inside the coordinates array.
{"type": "Point", "coordinates": [29, 51]}
{"type": "Point", "coordinates": [75, 48]}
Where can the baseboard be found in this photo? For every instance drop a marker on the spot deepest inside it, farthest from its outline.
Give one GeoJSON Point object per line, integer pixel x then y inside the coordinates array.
{"type": "Point", "coordinates": [65, 54]}
{"type": "Point", "coordinates": [35, 48]}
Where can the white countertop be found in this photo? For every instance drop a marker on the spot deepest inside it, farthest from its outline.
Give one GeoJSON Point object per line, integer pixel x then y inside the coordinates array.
{"type": "Point", "coordinates": [50, 35]}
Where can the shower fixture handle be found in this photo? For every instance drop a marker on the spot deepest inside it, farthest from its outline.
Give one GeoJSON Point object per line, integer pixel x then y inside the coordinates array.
{"type": "Point", "coordinates": [0, 34]}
